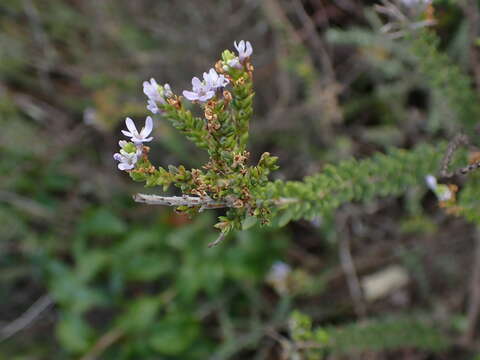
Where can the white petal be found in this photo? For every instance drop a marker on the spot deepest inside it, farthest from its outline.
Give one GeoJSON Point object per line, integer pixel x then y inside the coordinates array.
{"type": "Point", "coordinates": [196, 83]}
{"type": "Point", "coordinates": [249, 49]}
{"type": "Point", "coordinates": [190, 95]}
{"type": "Point", "coordinates": [126, 133]}
{"type": "Point", "coordinates": [431, 181]}
{"type": "Point", "coordinates": [131, 125]}
{"type": "Point", "coordinates": [148, 127]}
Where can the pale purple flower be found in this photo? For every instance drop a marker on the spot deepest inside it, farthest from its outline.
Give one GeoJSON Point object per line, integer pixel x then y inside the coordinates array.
{"type": "Point", "coordinates": [156, 94]}
{"type": "Point", "coordinates": [200, 91]}
{"type": "Point", "coordinates": [139, 137]}
{"type": "Point", "coordinates": [213, 80]}
{"type": "Point", "coordinates": [126, 160]}
{"type": "Point", "coordinates": [431, 182]}
{"type": "Point", "coordinates": [152, 90]}
{"type": "Point", "coordinates": [152, 106]}
{"type": "Point", "coordinates": [235, 63]}
{"type": "Point", "coordinates": [442, 191]}
{"type": "Point", "coordinates": [244, 49]}
{"type": "Point", "coordinates": [167, 91]}
{"type": "Point", "coordinates": [415, 3]}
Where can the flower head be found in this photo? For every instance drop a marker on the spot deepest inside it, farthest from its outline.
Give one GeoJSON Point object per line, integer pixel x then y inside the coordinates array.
{"type": "Point", "coordinates": [156, 94]}
{"type": "Point", "coordinates": [201, 91]}
{"type": "Point", "coordinates": [126, 160]}
{"type": "Point", "coordinates": [235, 63]}
{"type": "Point", "coordinates": [442, 191]}
{"type": "Point", "coordinates": [244, 49]}
{"type": "Point", "coordinates": [214, 81]}
{"type": "Point", "coordinates": [415, 3]}
{"type": "Point", "coordinates": [139, 137]}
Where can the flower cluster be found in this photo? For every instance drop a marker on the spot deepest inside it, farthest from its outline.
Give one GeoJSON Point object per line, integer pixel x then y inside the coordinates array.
{"type": "Point", "coordinates": [203, 91]}
{"type": "Point", "coordinates": [226, 180]}
{"type": "Point", "coordinates": [130, 152]}
{"type": "Point", "coordinates": [156, 94]}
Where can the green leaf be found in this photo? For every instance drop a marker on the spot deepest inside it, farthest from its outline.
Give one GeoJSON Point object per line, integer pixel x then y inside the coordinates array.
{"type": "Point", "coordinates": [174, 334]}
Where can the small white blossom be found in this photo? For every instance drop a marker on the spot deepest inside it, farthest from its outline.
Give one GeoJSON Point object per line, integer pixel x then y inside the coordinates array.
{"type": "Point", "coordinates": [278, 276]}
{"type": "Point", "coordinates": [126, 160]}
{"type": "Point", "coordinates": [139, 137]}
{"type": "Point", "coordinates": [167, 91]}
{"type": "Point", "coordinates": [442, 191]}
{"type": "Point", "coordinates": [244, 49]}
{"type": "Point", "coordinates": [200, 91]}
{"type": "Point", "coordinates": [156, 94]}
{"type": "Point", "coordinates": [234, 63]}
{"type": "Point", "coordinates": [415, 3]}
{"type": "Point", "coordinates": [152, 90]}
{"type": "Point", "coordinates": [431, 182]}
{"type": "Point", "coordinates": [214, 81]}
{"type": "Point", "coordinates": [152, 107]}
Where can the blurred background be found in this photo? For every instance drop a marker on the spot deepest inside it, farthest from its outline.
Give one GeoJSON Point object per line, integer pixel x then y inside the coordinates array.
{"type": "Point", "coordinates": [85, 273]}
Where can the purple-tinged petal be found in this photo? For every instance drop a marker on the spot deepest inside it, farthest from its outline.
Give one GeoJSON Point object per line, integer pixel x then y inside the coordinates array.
{"type": "Point", "coordinates": [190, 95]}
{"type": "Point", "coordinates": [126, 133]}
{"type": "Point", "coordinates": [131, 125]}
{"type": "Point", "coordinates": [147, 129]}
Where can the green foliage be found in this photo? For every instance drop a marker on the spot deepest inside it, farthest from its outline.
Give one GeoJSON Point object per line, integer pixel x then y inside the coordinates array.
{"type": "Point", "coordinates": [446, 78]}
{"type": "Point", "coordinates": [355, 180]}
{"type": "Point", "coordinates": [391, 333]}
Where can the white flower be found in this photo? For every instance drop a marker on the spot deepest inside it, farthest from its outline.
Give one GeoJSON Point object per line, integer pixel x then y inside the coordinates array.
{"type": "Point", "coordinates": [156, 94]}
{"type": "Point", "coordinates": [442, 191]}
{"type": "Point", "coordinates": [278, 276]}
{"type": "Point", "coordinates": [200, 91]}
{"type": "Point", "coordinates": [152, 106]}
{"type": "Point", "coordinates": [213, 80]}
{"type": "Point", "coordinates": [234, 63]}
{"type": "Point", "coordinates": [244, 49]}
{"type": "Point", "coordinates": [167, 91]}
{"type": "Point", "coordinates": [152, 90]}
{"type": "Point", "coordinates": [139, 137]}
{"type": "Point", "coordinates": [431, 182]}
{"type": "Point", "coordinates": [127, 160]}
{"type": "Point", "coordinates": [415, 3]}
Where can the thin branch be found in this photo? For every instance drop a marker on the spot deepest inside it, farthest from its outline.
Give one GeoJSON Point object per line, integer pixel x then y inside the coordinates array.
{"type": "Point", "coordinates": [348, 266]}
{"type": "Point", "coordinates": [27, 318]}
{"type": "Point", "coordinates": [190, 201]}
{"type": "Point", "coordinates": [459, 140]}
{"type": "Point", "coordinates": [195, 201]}
{"type": "Point", "coordinates": [473, 312]}
{"type": "Point", "coordinates": [218, 241]}
{"type": "Point", "coordinates": [471, 11]}
{"type": "Point", "coordinates": [103, 343]}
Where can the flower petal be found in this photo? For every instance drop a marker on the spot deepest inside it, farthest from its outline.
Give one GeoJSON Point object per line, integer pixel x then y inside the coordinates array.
{"type": "Point", "coordinates": [190, 95]}
{"type": "Point", "coordinates": [147, 129]}
{"type": "Point", "coordinates": [131, 125]}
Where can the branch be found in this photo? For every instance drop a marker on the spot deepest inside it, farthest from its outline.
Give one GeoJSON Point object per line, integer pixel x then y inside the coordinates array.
{"type": "Point", "coordinates": [190, 201]}
{"type": "Point", "coordinates": [26, 318]}
{"type": "Point", "coordinates": [195, 201]}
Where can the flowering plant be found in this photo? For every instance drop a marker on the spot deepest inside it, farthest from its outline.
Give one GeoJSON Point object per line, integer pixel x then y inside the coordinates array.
{"type": "Point", "coordinates": [225, 97]}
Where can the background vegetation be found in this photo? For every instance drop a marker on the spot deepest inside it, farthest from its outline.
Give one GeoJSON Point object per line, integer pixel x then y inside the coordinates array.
{"type": "Point", "coordinates": [85, 273]}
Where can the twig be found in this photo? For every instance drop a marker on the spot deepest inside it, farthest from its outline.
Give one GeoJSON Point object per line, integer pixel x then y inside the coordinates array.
{"type": "Point", "coordinates": [190, 201]}
{"type": "Point", "coordinates": [474, 300]}
{"type": "Point", "coordinates": [195, 201]}
{"type": "Point", "coordinates": [218, 241]}
{"type": "Point", "coordinates": [103, 343]}
{"type": "Point", "coordinates": [348, 267]}
{"type": "Point", "coordinates": [459, 140]}
{"type": "Point", "coordinates": [471, 11]}
{"type": "Point", "coordinates": [27, 318]}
